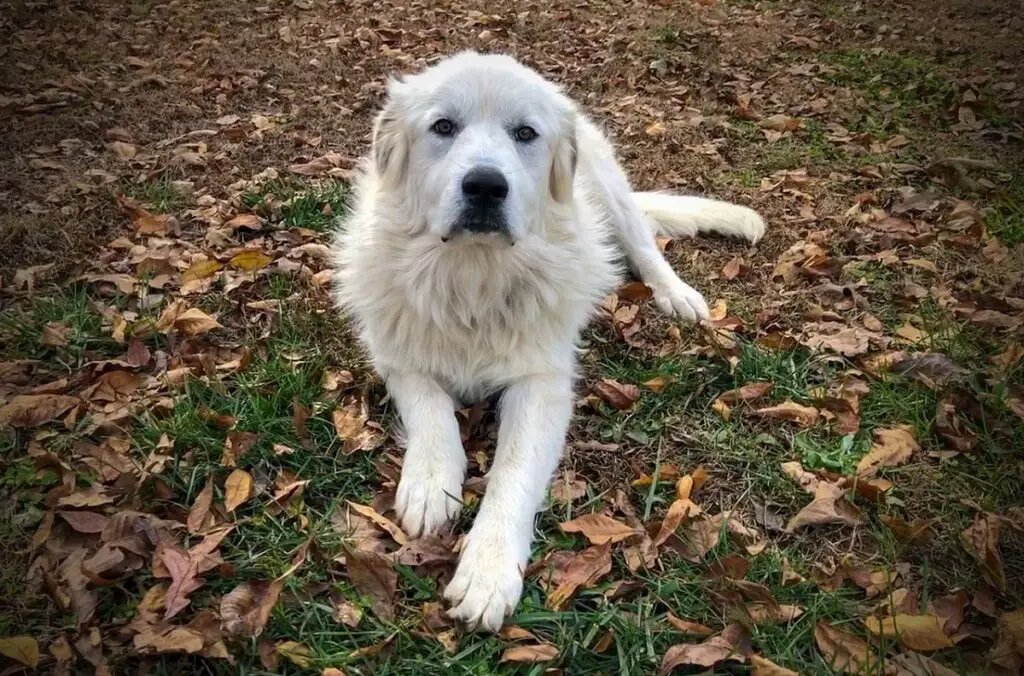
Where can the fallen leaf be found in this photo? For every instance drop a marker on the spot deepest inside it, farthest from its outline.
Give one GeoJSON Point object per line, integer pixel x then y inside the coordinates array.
{"type": "Point", "coordinates": [615, 394]}
{"type": "Point", "coordinates": [200, 270]}
{"type": "Point", "coordinates": [32, 410]}
{"type": "Point", "coordinates": [85, 522]}
{"type": "Point", "coordinates": [765, 667]}
{"type": "Point", "coordinates": [251, 260]}
{"type": "Point", "coordinates": [915, 664]}
{"type": "Point", "coordinates": [916, 532]}
{"type": "Point", "coordinates": [892, 447]}
{"type": "Point", "coordinates": [373, 575]}
{"type": "Point", "coordinates": [773, 613]}
{"type": "Point", "coordinates": [688, 627]}
{"type": "Point", "coordinates": [746, 394]}
{"type": "Point", "coordinates": [598, 528]}
{"type": "Point", "coordinates": [396, 533]}
{"type": "Point", "coordinates": [295, 652]}
{"type": "Point", "coordinates": [194, 321]}
{"type": "Point", "coordinates": [735, 268]}
{"type": "Point", "coordinates": [804, 416]}
{"type": "Point", "coordinates": [780, 123]}
{"type": "Point", "coordinates": [981, 540]}
{"type": "Point", "coordinates": [829, 506]}
{"type": "Point", "coordinates": [1008, 651]}
{"type": "Point", "coordinates": [175, 640]}
{"type": "Point", "coordinates": [55, 334]}
{"type": "Point", "coordinates": [843, 651]}
{"type": "Point", "coordinates": [237, 489]}
{"type": "Point", "coordinates": [249, 221]}
{"type": "Point", "coordinates": [681, 510]}
{"type": "Point", "coordinates": [730, 645]}
{"type": "Point", "coordinates": [916, 632]}
{"type": "Point", "coordinates": [583, 569]}
{"type": "Point", "coordinates": [567, 487]}
{"type": "Point", "coordinates": [540, 652]}
{"type": "Point", "coordinates": [200, 510]}
{"type": "Point", "coordinates": [21, 649]}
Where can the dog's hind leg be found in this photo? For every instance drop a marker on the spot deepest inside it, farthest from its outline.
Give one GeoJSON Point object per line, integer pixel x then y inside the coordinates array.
{"type": "Point", "coordinates": [608, 186]}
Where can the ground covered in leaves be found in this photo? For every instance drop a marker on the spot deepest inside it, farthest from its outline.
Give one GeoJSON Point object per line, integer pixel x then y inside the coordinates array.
{"type": "Point", "coordinates": [197, 466]}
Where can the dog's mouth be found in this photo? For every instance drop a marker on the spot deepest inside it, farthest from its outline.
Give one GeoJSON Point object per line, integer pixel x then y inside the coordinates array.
{"type": "Point", "coordinates": [480, 224]}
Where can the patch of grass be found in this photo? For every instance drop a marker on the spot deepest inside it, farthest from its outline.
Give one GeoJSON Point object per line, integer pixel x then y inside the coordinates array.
{"type": "Point", "coordinates": [1005, 218]}
{"type": "Point", "coordinates": [21, 329]}
{"type": "Point", "coordinates": [308, 205]}
{"type": "Point", "coordinates": [159, 196]}
{"type": "Point", "coordinates": [808, 147]}
{"type": "Point", "coordinates": [905, 90]}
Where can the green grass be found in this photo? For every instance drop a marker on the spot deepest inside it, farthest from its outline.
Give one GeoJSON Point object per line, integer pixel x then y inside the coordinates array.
{"type": "Point", "coordinates": [159, 196]}
{"type": "Point", "coordinates": [906, 91]}
{"type": "Point", "coordinates": [300, 204]}
{"type": "Point", "coordinates": [22, 327]}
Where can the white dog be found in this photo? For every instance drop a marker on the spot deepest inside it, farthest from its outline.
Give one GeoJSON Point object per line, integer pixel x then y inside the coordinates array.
{"type": "Point", "coordinates": [485, 232]}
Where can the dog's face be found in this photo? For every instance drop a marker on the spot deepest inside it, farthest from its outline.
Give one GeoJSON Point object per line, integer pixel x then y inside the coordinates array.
{"type": "Point", "coordinates": [476, 147]}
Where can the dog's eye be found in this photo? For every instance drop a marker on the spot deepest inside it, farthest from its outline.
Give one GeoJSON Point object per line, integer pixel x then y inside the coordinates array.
{"type": "Point", "coordinates": [444, 127]}
{"type": "Point", "coordinates": [525, 134]}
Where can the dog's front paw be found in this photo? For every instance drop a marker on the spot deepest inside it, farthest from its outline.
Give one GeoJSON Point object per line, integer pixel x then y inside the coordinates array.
{"type": "Point", "coordinates": [427, 499]}
{"type": "Point", "coordinates": [674, 296]}
{"type": "Point", "coordinates": [487, 584]}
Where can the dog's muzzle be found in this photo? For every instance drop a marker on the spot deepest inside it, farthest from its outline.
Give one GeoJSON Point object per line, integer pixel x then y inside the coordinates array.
{"type": "Point", "coordinates": [484, 190]}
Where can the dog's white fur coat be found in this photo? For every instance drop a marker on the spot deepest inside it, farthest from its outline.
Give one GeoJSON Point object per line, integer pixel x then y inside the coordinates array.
{"type": "Point", "coordinates": [449, 318]}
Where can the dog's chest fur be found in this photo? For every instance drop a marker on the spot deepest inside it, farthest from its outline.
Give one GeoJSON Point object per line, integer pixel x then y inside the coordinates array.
{"type": "Point", "coordinates": [473, 315]}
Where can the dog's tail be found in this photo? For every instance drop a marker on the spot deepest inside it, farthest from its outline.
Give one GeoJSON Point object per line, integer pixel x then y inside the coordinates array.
{"type": "Point", "coordinates": [686, 216]}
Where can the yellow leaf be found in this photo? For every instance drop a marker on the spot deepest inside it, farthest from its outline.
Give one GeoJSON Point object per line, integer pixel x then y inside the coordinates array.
{"type": "Point", "coordinates": [397, 534]}
{"type": "Point", "coordinates": [251, 260]}
{"type": "Point", "coordinates": [295, 652]}
{"type": "Point", "coordinates": [598, 528]}
{"type": "Point", "coordinates": [765, 667]}
{"type": "Point", "coordinates": [200, 270]}
{"type": "Point", "coordinates": [916, 632]}
{"type": "Point", "coordinates": [237, 489]}
{"type": "Point", "coordinates": [194, 321]}
{"type": "Point", "coordinates": [22, 649]}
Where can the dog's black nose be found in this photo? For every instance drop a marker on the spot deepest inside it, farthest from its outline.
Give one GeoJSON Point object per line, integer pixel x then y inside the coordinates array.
{"type": "Point", "coordinates": [485, 186]}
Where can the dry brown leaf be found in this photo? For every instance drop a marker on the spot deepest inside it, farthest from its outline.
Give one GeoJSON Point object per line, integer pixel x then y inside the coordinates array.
{"type": "Point", "coordinates": [843, 651]}
{"type": "Point", "coordinates": [31, 410]}
{"type": "Point", "coordinates": [916, 632]}
{"type": "Point", "coordinates": [584, 569]}
{"type": "Point", "coordinates": [680, 511]}
{"type": "Point", "coordinates": [914, 664]}
{"type": "Point", "coordinates": [688, 627]}
{"type": "Point", "coordinates": [773, 613]}
{"type": "Point", "coordinates": [780, 122]}
{"type": "Point", "coordinates": [540, 652]}
{"type": "Point", "coordinates": [249, 221]}
{"type": "Point", "coordinates": [237, 489]}
{"type": "Point", "coordinates": [175, 640]}
{"type": "Point", "coordinates": [598, 528]}
{"type": "Point", "coordinates": [1008, 651]}
{"type": "Point", "coordinates": [194, 321]}
{"type": "Point", "coordinates": [200, 511]}
{"type": "Point", "coordinates": [567, 488]}
{"type": "Point", "coordinates": [55, 334]}
{"type": "Point", "coordinates": [829, 506]}
{"type": "Point", "coordinates": [617, 395]}
{"type": "Point", "coordinates": [981, 540]}
{"type": "Point", "coordinates": [373, 575]}
{"type": "Point", "coordinates": [804, 416]}
{"type": "Point", "coordinates": [765, 667]}
{"type": "Point", "coordinates": [892, 447]}
{"type": "Point", "coordinates": [735, 268]}
{"type": "Point", "coordinates": [732, 644]}
{"type": "Point", "coordinates": [917, 532]}
{"type": "Point", "coordinates": [21, 649]}
{"type": "Point", "coordinates": [85, 522]}
{"type": "Point", "coordinates": [396, 533]}
{"type": "Point", "coordinates": [658, 383]}
{"type": "Point", "coordinates": [746, 394]}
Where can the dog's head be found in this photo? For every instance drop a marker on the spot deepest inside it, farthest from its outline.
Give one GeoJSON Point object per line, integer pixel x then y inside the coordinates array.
{"type": "Point", "coordinates": [476, 146]}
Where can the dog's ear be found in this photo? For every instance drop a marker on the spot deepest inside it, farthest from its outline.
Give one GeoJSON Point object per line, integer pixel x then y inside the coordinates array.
{"type": "Point", "coordinates": [563, 164]}
{"type": "Point", "coordinates": [390, 144]}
